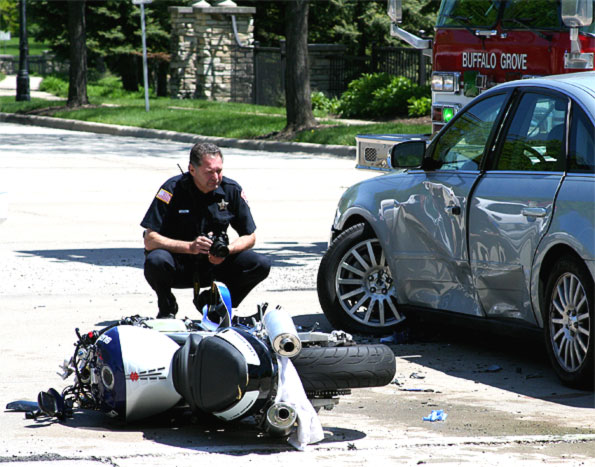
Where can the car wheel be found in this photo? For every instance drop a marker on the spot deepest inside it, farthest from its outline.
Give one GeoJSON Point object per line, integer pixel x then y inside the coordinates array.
{"type": "Point", "coordinates": [355, 287]}
{"type": "Point", "coordinates": [569, 324]}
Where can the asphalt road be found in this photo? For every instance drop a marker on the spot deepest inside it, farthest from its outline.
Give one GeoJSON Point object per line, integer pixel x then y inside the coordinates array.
{"type": "Point", "coordinates": [71, 256]}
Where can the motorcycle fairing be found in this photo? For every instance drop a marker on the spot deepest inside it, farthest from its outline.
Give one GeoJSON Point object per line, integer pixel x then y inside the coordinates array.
{"type": "Point", "coordinates": [140, 361]}
{"type": "Point", "coordinates": [109, 354]}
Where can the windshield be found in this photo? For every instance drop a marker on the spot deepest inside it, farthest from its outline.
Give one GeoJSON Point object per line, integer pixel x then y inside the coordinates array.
{"type": "Point", "coordinates": [468, 13]}
{"type": "Point", "coordinates": [536, 14]}
{"type": "Point", "coordinates": [516, 14]}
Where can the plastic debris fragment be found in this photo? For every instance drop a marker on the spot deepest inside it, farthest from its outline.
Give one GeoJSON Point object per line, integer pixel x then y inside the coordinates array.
{"type": "Point", "coordinates": [436, 416]}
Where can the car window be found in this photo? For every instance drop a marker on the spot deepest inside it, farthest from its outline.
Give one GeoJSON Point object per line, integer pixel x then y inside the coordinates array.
{"type": "Point", "coordinates": [462, 145]}
{"type": "Point", "coordinates": [535, 139]}
{"type": "Point", "coordinates": [582, 145]}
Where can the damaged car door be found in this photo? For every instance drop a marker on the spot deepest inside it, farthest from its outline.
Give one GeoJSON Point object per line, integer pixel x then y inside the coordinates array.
{"type": "Point", "coordinates": [429, 242]}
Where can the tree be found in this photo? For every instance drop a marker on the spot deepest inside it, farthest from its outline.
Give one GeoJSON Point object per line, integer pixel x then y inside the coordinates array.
{"type": "Point", "coordinates": [77, 86]}
{"type": "Point", "coordinates": [113, 35]}
{"type": "Point", "coordinates": [9, 16]}
{"type": "Point", "coordinates": [298, 103]}
{"type": "Point", "coordinates": [356, 24]}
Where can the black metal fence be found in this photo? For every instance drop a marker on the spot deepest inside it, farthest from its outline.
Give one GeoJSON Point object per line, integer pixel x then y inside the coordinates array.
{"type": "Point", "coordinates": [342, 69]}
{"type": "Point", "coordinates": [410, 63]}
{"type": "Point", "coordinates": [269, 76]}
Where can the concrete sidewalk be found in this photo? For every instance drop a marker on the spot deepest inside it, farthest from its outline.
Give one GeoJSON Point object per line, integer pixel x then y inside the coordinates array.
{"type": "Point", "coordinates": [8, 87]}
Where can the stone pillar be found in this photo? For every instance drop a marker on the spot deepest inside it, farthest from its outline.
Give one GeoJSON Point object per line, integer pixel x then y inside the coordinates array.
{"type": "Point", "coordinates": [207, 62]}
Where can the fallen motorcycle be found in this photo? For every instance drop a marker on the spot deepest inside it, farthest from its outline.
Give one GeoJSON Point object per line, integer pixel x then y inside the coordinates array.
{"type": "Point", "coordinates": [231, 368]}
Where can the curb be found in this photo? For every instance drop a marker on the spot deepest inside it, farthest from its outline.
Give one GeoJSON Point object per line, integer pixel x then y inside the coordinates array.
{"type": "Point", "coordinates": [119, 130]}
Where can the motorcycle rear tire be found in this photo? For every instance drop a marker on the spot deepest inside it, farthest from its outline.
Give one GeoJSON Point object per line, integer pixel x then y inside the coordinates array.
{"type": "Point", "coordinates": [332, 368]}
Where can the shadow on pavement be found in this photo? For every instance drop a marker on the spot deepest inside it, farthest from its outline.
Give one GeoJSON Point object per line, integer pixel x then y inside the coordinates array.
{"type": "Point", "coordinates": [512, 362]}
{"type": "Point", "coordinates": [180, 428]}
{"type": "Point", "coordinates": [282, 254]}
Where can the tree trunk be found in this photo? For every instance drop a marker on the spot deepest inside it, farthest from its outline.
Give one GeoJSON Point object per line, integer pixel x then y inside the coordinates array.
{"type": "Point", "coordinates": [77, 86]}
{"type": "Point", "coordinates": [298, 102]}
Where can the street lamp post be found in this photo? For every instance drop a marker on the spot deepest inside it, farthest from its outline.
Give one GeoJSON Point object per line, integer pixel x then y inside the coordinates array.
{"type": "Point", "coordinates": [23, 93]}
{"type": "Point", "coordinates": [143, 33]}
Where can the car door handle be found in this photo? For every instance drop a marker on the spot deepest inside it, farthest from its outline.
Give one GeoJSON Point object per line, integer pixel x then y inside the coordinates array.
{"type": "Point", "coordinates": [534, 212]}
{"type": "Point", "coordinates": [454, 210]}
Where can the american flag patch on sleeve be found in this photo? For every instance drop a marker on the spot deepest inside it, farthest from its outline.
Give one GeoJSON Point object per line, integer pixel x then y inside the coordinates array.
{"type": "Point", "coordinates": [164, 196]}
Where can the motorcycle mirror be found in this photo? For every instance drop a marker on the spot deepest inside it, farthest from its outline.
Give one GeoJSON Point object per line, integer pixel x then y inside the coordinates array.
{"type": "Point", "coordinates": [51, 403]}
{"type": "Point", "coordinates": [22, 406]}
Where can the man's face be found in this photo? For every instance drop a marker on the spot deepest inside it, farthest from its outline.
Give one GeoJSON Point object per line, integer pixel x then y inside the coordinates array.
{"type": "Point", "coordinates": [207, 176]}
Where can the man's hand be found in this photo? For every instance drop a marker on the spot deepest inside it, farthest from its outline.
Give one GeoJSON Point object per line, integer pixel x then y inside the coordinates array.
{"type": "Point", "coordinates": [201, 246]}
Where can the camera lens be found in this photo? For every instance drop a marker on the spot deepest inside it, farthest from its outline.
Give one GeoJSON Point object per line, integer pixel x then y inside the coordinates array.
{"type": "Point", "coordinates": [219, 248]}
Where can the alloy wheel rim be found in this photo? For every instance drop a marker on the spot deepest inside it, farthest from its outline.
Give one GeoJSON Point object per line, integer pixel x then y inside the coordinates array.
{"type": "Point", "coordinates": [570, 322]}
{"type": "Point", "coordinates": [365, 287]}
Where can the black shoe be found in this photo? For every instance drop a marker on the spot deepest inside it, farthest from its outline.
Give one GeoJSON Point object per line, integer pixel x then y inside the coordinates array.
{"type": "Point", "coordinates": [166, 315]}
{"type": "Point", "coordinates": [170, 311]}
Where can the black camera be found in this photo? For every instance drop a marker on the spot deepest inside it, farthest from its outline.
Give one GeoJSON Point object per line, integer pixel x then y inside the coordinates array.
{"type": "Point", "coordinates": [219, 247]}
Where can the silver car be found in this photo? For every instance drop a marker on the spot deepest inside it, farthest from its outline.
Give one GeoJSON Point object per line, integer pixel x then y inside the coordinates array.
{"type": "Point", "coordinates": [493, 219]}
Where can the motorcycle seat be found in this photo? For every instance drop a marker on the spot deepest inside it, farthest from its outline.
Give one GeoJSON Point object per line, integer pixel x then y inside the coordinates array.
{"type": "Point", "coordinates": [209, 373]}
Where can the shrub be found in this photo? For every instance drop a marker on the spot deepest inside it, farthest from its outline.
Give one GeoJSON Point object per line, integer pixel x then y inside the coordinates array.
{"type": "Point", "coordinates": [357, 100]}
{"type": "Point", "coordinates": [380, 95]}
{"type": "Point", "coordinates": [54, 84]}
{"type": "Point", "coordinates": [329, 105]}
{"type": "Point", "coordinates": [391, 100]}
{"type": "Point", "coordinates": [418, 107]}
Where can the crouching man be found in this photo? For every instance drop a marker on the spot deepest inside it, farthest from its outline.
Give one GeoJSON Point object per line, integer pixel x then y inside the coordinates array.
{"type": "Point", "coordinates": [185, 237]}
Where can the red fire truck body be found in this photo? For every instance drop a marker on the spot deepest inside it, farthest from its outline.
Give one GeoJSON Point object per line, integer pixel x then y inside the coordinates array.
{"type": "Point", "coordinates": [481, 43]}
{"type": "Point", "coordinates": [517, 39]}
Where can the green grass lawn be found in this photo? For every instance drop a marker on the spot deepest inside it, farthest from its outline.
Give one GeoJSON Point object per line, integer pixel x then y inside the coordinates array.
{"type": "Point", "coordinates": [229, 120]}
{"type": "Point", "coordinates": [11, 47]}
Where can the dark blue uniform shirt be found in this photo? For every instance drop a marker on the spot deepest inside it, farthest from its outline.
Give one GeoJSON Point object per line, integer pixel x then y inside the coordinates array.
{"type": "Point", "coordinates": [182, 212]}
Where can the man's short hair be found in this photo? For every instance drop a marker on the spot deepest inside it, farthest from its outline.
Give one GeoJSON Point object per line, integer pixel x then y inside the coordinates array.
{"type": "Point", "coordinates": [200, 150]}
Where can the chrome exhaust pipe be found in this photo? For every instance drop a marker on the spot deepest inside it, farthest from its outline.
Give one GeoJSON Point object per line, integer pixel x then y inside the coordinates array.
{"type": "Point", "coordinates": [280, 419]}
{"type": "Point", "coordinates": [282, 333]}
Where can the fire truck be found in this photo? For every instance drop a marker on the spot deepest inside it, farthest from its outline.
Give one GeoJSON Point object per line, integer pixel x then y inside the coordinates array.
{"type": "Point", "coordinates": [481, 43]}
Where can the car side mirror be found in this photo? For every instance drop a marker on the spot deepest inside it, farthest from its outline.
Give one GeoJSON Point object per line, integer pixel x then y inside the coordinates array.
{"type": "Point", "coordinates": [408, 154]}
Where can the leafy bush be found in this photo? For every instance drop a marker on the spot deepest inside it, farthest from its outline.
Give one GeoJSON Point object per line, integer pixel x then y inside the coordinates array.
{"type": "Point", "coordinates": [418, 107]}
{"type": "Point", "coordinates": [329, 105]}
{"type": "Point", "coordinates": [379, 95]}
{"type": "Point", "coordinates": [391, 100]}
{"type": "Point", "coordinates": [54, 84]}
{"type": "Point", "coordinates": [357, 100]}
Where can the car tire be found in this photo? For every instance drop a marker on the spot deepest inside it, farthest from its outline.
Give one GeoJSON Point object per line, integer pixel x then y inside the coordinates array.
{"type": "Point", "coordinates": [568, 322]}
{"type": "Point", "coordinates": [355, 286]}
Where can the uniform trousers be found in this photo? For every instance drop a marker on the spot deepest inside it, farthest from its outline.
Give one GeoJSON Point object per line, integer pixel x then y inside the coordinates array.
{"type": "Point", "coordinates": [239, 272]}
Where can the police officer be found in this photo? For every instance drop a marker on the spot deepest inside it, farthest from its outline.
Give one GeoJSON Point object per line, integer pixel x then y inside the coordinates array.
{"type": "Point", "coordinates": [187, 214]}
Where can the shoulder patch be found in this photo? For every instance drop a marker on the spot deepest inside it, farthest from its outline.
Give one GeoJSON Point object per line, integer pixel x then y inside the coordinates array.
{"type": "Point", "coordinates": [244, 197]}
{"type": "Point", "coordinates": [164, 195]}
